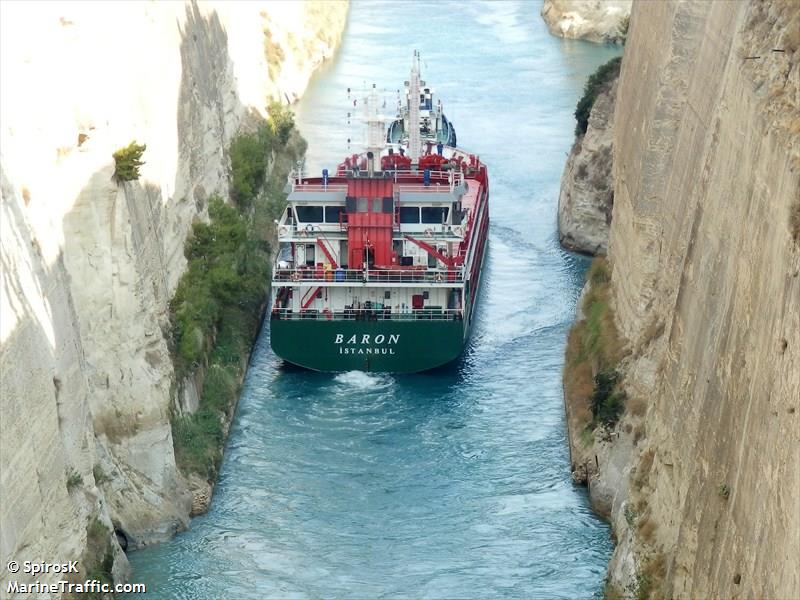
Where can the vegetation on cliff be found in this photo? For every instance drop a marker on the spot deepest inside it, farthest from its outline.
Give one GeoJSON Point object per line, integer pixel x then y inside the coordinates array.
{"type": "Point", "coordinates": [218, 304]}
{"type": "Point", "coordinates": [592, 386]}
{"type": "Point", "coordinates": [128, 160]}
{"type": "Point", "coordinates": [603, 76]}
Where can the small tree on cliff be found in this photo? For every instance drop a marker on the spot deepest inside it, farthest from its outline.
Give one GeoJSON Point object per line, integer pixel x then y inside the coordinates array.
{"type": "Point", "coordinates": [128, 160]}
{"type": "Point", "coordinates": [281, 119]}
{"type": "Point", "coordinates": [594, 85]}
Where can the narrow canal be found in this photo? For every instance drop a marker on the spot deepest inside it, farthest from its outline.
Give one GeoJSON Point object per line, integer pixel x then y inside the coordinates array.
{"type": "Point", "coordinates": [453, 484]}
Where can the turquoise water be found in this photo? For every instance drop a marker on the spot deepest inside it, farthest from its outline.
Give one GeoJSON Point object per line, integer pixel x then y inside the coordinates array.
{"type": "Point", "coordinates": [453, 484]}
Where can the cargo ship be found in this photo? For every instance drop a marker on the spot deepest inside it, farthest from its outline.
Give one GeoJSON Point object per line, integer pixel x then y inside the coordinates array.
{"type": "Point", "coordinates": [379, 263]}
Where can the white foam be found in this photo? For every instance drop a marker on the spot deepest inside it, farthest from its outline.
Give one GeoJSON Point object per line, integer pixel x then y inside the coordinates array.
{"type": "Point", "coordinates": [361, 380]}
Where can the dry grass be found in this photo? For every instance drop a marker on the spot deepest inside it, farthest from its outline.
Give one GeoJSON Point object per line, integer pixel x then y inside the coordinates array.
{"type": "Point", "coordinates": [638, 434]}
{"type": "Point", "coordinates": [651, 577]}
{"type": "Point", "coordinates": [274, 55]}
{"type": "Point", "coordinates": [612, 592]}
{"type": "Point", "coordinates": [636, 406]}
{"type": "Point", "coordinates": [578, 382]}
{"type": "Point", "coordinates": [794, 222]}
{"type": "Point", "coordinates": [647, 528]}
{"type": "Point", "coordinates": [642, 476]}
{"type": "Point", "coordinates": [593, 389]}
{"type": "Point", "coordinates": [601, 341]}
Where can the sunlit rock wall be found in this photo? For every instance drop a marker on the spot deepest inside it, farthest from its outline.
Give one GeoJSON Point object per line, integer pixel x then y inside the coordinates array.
{"type": "Point", "coordinates": [706, 282]}
{"type": "Point", "coordinates": [89, 265]}
{"type": "Point", "coordinates": [591, 20]}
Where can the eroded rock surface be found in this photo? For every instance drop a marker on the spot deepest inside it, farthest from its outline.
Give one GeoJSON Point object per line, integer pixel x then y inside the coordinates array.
{"type": "Point", "coordinates": [591, 20]}
{"type": "Point", "coordinates": [706, 291]}
{"type": "Point", "coordinates": [587, 185]}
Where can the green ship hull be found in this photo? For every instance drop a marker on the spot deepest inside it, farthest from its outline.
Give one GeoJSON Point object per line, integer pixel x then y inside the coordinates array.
{"type": "Point", "coordinates": [379, 346]}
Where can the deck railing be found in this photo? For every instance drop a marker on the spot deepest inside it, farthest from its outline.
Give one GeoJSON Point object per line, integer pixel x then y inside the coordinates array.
{"type": "Point", "coordinates": [413, 276]}
{"type": "Point", "coordinates": [318, 187]}
{"type": "Point", "coordinates": [369, 314]}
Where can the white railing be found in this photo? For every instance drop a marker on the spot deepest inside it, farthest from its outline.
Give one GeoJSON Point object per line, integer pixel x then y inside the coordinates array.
{"type": "Point", "coordinates": [412, 276]}
{"type": "Point", "coordinates": [378, 313]}
{"type": "Point", "coordinates": [319, 187]}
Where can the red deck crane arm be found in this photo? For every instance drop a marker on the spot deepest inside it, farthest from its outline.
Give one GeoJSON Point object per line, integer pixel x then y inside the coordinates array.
{"type": "Point", "coordinates": [450, 261]}
{"type": "Point", "coordinates": [327, 252]}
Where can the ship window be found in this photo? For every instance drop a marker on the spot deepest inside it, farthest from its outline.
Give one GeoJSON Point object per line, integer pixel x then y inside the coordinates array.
{"type": "Point", "coordinates": [409, 214]}
{"type": "Point", "coordinates": [309, 214]}
{"type": "Point", "coordinates": [434, 214]}
{"type": "Point", "coordinates": [388, 205]}
{"type": "Point", "coordinates": [363, 204]}
{"type": "Point", "coordinates": [377, 204]}
{"type": "Point", "coordinates": [332, 214]}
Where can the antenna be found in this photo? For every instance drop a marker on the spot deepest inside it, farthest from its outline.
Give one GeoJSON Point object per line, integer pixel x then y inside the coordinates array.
{"type": "Point", "coordinates": [376, 133]}
{"type": "Point", "coordinates": [414, 140]}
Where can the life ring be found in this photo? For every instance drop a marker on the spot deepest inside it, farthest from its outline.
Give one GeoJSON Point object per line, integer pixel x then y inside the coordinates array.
{"type": "Point", "coordinates": [302, 233]}
{"type": "Point", "coordinates": [439, 278]}
{"type": "Point", "coordinates": [458, 230]}
{"type": "Point", "coordinates": [429, 232]}
{"type": "Point", "coordinates": [295, 276]}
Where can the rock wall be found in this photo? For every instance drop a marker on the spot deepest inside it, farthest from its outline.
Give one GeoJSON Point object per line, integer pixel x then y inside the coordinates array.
{"type": "Point", "coordinates": [587, 185]}
{"type": "Point", "coordinates": [89, 264]}
{"type": "Point", "coordinates": [706, 287]}
{"type": "Point", "coordinates": [592, 20]}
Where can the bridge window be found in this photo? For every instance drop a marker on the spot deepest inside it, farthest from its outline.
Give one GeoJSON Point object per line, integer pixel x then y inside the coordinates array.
{"type": "Point", "coordinates": [409, 214]}
{"type": "Point", "coordinates": [309, 214]}
{"type": "Point", "coordinates": [434, 214]}
{"type": "Point", "coordinates": [362, 205]}
{"type": "Point", "coordinates": [332, 214]}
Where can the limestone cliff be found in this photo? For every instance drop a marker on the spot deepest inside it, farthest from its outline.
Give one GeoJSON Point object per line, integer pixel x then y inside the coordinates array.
{"type": "Point", "coordinates": [587, 186]}
{"type": "Point", "coordinates": [89, 263]}
{"type": "Point", "coordinates": [591, 20]}
{"type": "Point", "coordinates": [701, 474]}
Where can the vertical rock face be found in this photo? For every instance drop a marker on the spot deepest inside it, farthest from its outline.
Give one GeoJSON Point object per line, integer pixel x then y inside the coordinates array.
{"type": "Point", "coordinates": [89, 264]}
{"type": "Point", "coordinates": [587, 185]}
{"type": "Point", "coordinates": [591, 20]}
{"type": "Point", "coordinates": [706, 283]}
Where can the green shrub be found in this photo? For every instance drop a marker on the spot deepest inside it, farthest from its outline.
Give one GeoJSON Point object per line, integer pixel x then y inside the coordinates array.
{"type": "Point", "coordinates": [198, 441]}
{"type": "Point", "coordinates": [594, 85]}
{"type": "Point", "coordinates": [607, 401]}
{"type": "Point", "coordinates": [216, 309]}
{"type": "Point", "coordinates": [128, 160]}
{"type": "Point", "coordinates": [227, 268]}
{"type": "Point", "coordinates": [623, 27]}
{"type": "Point", "coordinates": [99, 475]}
{"type": "Point", "coordinates": [281, 120]}
{"type": "Point", "coordinates": [249, 160]}
{"type": "Point", "coordinates": [74, 479]}
{"type": "Point", "coordinates": [98, 558]}
{"type": "Point", "coordinates": [724, 491]}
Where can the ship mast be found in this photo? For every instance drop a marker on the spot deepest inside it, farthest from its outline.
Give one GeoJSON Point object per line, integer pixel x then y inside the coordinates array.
{"type": "Point", "coordinates": [414, 139]}
{"type": "Point", "coordinates": [376, 130]}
